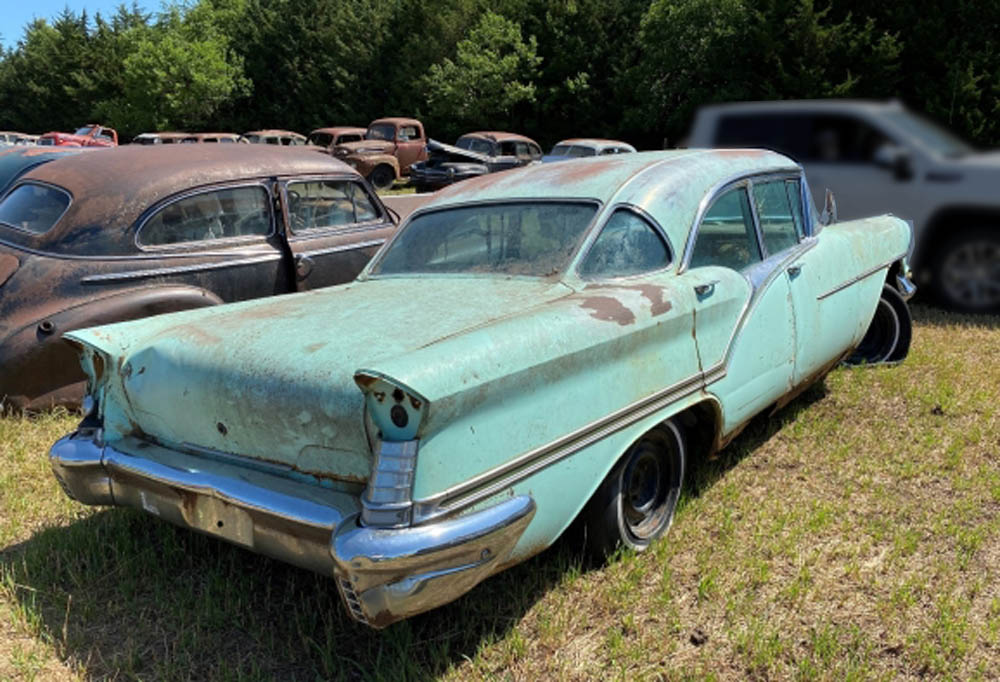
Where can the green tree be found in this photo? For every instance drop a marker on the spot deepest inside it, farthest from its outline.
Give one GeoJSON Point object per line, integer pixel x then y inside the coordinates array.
{"type": "Point", "coordinates": [493, 72]}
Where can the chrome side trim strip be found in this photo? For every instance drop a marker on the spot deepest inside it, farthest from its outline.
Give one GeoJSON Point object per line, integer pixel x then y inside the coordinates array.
{"type": "Point", "coordinates": [864, 275]}
{"type": "Point", "coordinates": [341, 248]}
{"type": "Point", "coordinates": [491, 482]}
{"type": "Point", "coordinates": [177, 269]}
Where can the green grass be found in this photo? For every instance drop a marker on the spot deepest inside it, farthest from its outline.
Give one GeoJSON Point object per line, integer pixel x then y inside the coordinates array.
{"type": "Point", "coordinates": [854, 535]}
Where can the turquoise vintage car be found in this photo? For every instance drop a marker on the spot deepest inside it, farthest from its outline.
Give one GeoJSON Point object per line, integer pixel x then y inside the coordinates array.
{"type": "Point", "coordinates": [531, 347]}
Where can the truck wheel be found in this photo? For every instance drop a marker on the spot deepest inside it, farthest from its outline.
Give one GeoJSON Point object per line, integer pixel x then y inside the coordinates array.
{"type": "Point", "coordinates": [382, 177]}
{"type": "Point", "coordinates": [966, 274]}
{"type": "Point", "coordinates": [635, 503]}
{"type": "Point", "coordinates": [888, 336]}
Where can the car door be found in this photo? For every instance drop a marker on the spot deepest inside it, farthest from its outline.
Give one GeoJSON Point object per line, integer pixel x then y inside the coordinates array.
{"type": "Point", "coordinates": [410, 146]}
{"type": "Point", "coordinates": [222, 239]}
{"type": "Point", "coordinates": [744, 320]}
{"type": "Point", "coordinates": [334, 227]}
{"type": "Point", "coordinates": [628, 270]}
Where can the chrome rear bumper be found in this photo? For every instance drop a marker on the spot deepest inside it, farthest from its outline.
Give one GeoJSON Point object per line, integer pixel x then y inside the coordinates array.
{"type": "Point", "coordinates": [383, 575]}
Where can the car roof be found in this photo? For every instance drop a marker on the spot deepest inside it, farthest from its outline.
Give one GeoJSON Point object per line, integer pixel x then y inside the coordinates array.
{"type": "Point", "coordinates": [112, 187]}
{"type": "Point", "coordinates": [671, 196]}
{"type": "Point", "coordinates": [337, 130]}
{"type": "Point", "coordinates": [595, 142]}
{"type": "Point", "coordinates": [499, 136]}
{"type": "Point", "coordinates": [14, 160]}
{"type": "Point", "coordinates": [274, 131]}
{"type": "Point", "coordinates": [396, 120]}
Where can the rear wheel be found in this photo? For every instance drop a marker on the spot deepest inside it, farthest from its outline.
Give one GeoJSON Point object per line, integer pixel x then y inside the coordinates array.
{"type": "Point", "coordinates": [382, 177]}
{"type": "Point", "coordinates": [967, 271]}
{"type": "Point", "coordinates": [888, 336]}
{"type": "Point", "coordinates": [635, 503]}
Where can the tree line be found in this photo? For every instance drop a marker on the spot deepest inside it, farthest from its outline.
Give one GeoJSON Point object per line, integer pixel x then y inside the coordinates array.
{"type": "Point", "coordinates": [630, 69]}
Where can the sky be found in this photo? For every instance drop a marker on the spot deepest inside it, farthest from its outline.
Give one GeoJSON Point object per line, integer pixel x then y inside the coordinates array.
{"type": "Point", "coordinates": [17, 14]}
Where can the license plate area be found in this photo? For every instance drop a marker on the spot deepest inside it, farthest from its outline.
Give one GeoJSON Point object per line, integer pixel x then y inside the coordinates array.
{"type": "Point", "coordinates": [216, 517]}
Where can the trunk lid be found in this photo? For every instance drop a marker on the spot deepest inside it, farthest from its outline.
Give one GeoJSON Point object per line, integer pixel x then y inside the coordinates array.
{"type": "Point", "coordinates": [273, 379]}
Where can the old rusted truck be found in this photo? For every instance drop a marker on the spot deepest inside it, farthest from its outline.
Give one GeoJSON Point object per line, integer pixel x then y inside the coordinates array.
{"type": "Point", "coordinates": [90, 135]}
{"type": "Point", "coordinates": [390, 147]}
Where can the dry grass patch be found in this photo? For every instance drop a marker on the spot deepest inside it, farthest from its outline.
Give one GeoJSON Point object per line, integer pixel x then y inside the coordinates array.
{"type": "Point", "coordinates": [854, 535]}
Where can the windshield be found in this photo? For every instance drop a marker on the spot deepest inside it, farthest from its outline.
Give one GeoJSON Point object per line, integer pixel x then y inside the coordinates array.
{"type": "Point", "coordinates": [535, 239]}
{"type": "Point", "coordinates": [321, 139]}
{"type": "Point", "coordinates": [936, 138]}
{"type": "Point", "coordinates": [573, 151]}
{"type": "Point", "coordinates": [382, 131]}
{"type": "Point", "coordinates": [84, 131]}
{"type": "Point", "coordinates": [475, 144]}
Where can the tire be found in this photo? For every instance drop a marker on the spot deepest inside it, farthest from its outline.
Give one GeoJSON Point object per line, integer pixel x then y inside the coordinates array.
{"type": "Point", "coordinates": [966, 273]}
{"type": "Point", "coordinates": [382, 177]}
{"type": "Point", "coordinates": [635, 503]}
{"type": "Point", "coordinates": [889, 334]}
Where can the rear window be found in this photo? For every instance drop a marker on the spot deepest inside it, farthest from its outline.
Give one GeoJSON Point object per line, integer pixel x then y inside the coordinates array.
{"type": "Point", "coordinates": [33, 207]}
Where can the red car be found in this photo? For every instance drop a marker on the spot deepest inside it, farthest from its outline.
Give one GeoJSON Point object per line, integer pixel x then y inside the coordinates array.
{"type": "Point", "coordinates": [91, 135]}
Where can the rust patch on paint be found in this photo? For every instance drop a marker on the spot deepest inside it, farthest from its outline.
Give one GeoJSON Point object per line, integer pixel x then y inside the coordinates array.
{"type": "Point", "coordinates": [741, 153]}
{"type": "Point", "coordinates": [313, 347]}
{"type": "Point", "coordinates": [608, 309]}
{"type": "Point", "coordinates": [192, 333]}
{"type": "Point", "coordinates": [651, 292]}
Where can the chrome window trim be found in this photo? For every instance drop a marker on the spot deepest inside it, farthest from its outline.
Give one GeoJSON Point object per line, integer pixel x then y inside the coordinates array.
{"type": "Point", "coordinates": [772, 177]}
{"type": "Point", "coordinates": [158, 207]}
{"type": "Point", "coordinates": [342, 247]}
{"type": "Point", "coordinates": [607, 214]}
{"type": "Point", "coordinates": [714, 193]}
{"type": "Point", "coordinates": [293, 236]}
{"type": "Point", "coordinates": [422, 211]}
{"type": "Point", "coordinates": [40, 183]}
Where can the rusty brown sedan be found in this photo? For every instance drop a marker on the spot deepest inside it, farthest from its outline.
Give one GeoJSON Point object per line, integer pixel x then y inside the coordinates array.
{"type": "Point", "coordinates": [134, 231]}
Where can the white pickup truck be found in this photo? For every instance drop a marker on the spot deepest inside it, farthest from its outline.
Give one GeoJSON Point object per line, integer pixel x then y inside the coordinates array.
{"type": "Point", "coordinates": [879, 157]}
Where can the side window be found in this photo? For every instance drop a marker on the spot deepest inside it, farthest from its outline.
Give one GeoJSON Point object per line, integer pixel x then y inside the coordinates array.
{"type": "Point", "coordinates": [218, 214]}
{"type": "Point", "coordinates": [408, 133]}
{"type": "Point", "coordinates": [627, 245]}
{"type": "Point", "coordinates": [793, 189]}
{"type": "Point", "coordinates": [319, 204]}
{"type": "Point", "coordinates": [726, 234]}
{"type": "Point", "coordinates": [843, 139]}
{"type": "Point", "coordinates": [536, 152]}
{"type": "Point", "coordinates": [778, 224]}
{"type": "Point", "coordinates": [508, 149]}
{"type": "Point", "coordinates": [522, 151]}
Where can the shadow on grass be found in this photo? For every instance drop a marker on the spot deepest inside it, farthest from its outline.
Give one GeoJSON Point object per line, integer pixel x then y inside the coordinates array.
{"type": "Point", "coordinates": [124, 594]}
{"type": "Point", "coordinates": [929, 315]}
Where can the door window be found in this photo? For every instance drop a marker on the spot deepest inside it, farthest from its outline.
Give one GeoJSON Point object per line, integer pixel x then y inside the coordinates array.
{"type": "Point", "coordinates": [627, 245]}
{"type": "Point", "coordinates": [217, 214]}
{"type": "Point", "coordinates": [726, 235]}
{"type": "Point", "coordinates": [320, 204]}
{"type": "Point", "coordinates": [779, 225]}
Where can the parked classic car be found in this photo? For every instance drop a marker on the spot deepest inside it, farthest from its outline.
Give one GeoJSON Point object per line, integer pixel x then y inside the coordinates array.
{"type": "Point", "coordinates": [582, 147]}
{"type": "Point", "coordinates": [9, 138]}
{"type": "Point", "coordinates": [184, 138]}
{"type": "Point", "coordinates": [530, 347]}
{"type": "Point", "coordinates": [90, 135]}
{"type": "Point", "coordinates": [282, 138]}
{"type": "Point", "coordinates": [331, 137]}
{"type": "Point", "coordinates": [474, 154]}
{"type": "Point", "coordinates": [390, 147]}
{"type": "Point", "coordinates": [134, 231]}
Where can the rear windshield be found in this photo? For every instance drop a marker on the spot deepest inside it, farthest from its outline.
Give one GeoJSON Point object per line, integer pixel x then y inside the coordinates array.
{"type": "Point", "coordinates": [535, 239]}
{"type": "Point", "coordinates": [573, 151]}
{"type": "Point", "coordinates": [475, 144]}
{"type": "Point", "coordinates": [33, 208]}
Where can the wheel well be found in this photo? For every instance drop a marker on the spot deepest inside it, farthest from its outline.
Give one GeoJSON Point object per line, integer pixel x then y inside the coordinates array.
{"type": "Point", "coordinates": [944, 224]}
{"type": "Point", "coordinates": [701, 423]}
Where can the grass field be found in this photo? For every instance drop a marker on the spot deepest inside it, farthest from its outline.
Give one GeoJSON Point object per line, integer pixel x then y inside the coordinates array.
{"type": "Point", "coordinates": [854, 535]}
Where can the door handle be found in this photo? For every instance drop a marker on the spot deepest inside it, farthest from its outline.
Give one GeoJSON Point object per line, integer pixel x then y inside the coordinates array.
{"type": "Point", "coordinates": [706, 289]}
{"type": "Point", "coordinates": [303, 266]}
{"type": "Point", "coordinates": [795, 270]}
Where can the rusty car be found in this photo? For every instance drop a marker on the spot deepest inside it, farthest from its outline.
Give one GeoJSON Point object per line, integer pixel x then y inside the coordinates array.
{"type": "Point", "coordinates": [389, 148]}
{"type": "Point", "coordinates": [90, 135]}
{"type": "Point", "coordinates": [185, 138]}
{"type": "Point", "coordinates": [331, 137]}
{"type": "Point", "coordinates": [472, 155]}
{"type": "Point", "coordinates": [281, 138]}
{"type": "Point", "coordinates": [135, 231]}
{"type": "Point", "coordinates": [582, 147]}
{"type": "Point", "coordinates": [546, 344]}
